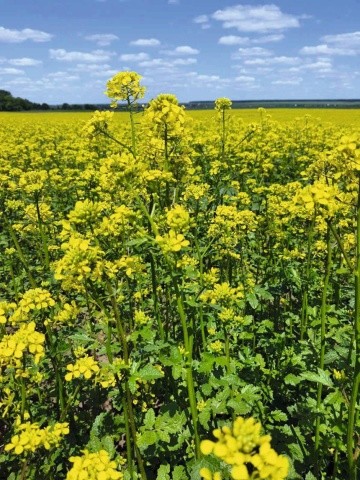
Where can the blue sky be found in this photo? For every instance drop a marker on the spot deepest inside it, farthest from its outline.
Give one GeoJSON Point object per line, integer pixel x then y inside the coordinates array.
{"type": "Point", "coordinates": [59, 51]}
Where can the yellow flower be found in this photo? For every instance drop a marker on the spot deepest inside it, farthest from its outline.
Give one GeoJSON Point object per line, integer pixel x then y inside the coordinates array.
{"type": "Point", "coordinates": [93, 466]}
{"type": "Point", "coordinates": [124, 86]}
{"type": "Point", "coordinates": [172, 242]}
{"type": "Point", "coordinates": [243, 446]}
{"type": "Point", "coordinates": [223, 103]}
{"type": "Point", "coordinates": [84, 367]}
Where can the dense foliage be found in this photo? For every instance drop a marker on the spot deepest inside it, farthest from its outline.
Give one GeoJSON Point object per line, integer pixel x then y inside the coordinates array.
{"type": "Point", "coordinates": [8, 103]}
{"type": "Point", "coordinates": [170, 287]}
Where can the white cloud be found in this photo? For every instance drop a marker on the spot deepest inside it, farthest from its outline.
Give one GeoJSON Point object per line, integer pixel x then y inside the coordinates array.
{"type": "Point", "coordinates": [283, 60]}
{"type": "Point", "coordinates": [102, 39]}
{"type": "Point", "coordinates": [234, 40]}
{"type": "Point", "coordinates": [269, 38]}
{"type": "Point", "coordinates": [182, 50]}
{"type": "Point", "coordinates": [261, 18]}
{"type": "Point", "coordinates": [201, 19]}
{"type": "Point", "coordinates": [11, 71]}
{"type": "Point", "coordinates": [344, 40]}
{"type": "Point", "coordinates": [173, 2]}
{"type": "Point", "coordinates": [62, 76]}
{"type": "Point", "coordinates": [145, 42]}
{"type": "Point", "coordinates": [155, 62]}
{"type": "Point", "coordinates": [107, 74]}
{"type": "Point", "coordinates": [291, 81]}
{"type": "Point", "coordinates": [252, 52]}
{"type": "Point", "coordinates": [89, 67]}
{"type": "Point", "coordinates": [96, 56]}
{"type": "Point", "coordinates": [184, 61]}
{"type": "Point", "coordinates": [324, 49]}
{"type": "Point", "coordinates": [134, 57]}
{"type": "Point", "coordinates": [24, 62]}
{"type": "Point", "coordinates": [237, 40]}
{"type": "Point", "coordinates": [18, 36]}
{"type": "Point", "coordinates": [245, 79]}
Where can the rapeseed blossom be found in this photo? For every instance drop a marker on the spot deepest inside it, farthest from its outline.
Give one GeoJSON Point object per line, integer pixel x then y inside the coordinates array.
{"type": "Point", "coordinates": [30, 437]}
{"type": "Point", "coordinates": [124, 86]}
{"type": "Point", "coordinates": [93, 466]}
{"type": "Point", "coordinates": [247, 452]}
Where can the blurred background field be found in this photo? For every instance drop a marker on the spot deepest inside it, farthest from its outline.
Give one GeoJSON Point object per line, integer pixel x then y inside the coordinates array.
{"type": "Point", "coordinates": [346, 117]}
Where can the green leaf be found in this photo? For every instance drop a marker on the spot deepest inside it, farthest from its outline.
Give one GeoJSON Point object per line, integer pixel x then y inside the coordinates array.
{"type": "Point", "coordinates": [149, 437]}
{"type": "Point", "coordinates": [149, 372]}
{"type": "Point", "coordinates": [149, 420]}
{"type": "Point", "coordinates": [279, 416]}
{"type": "Point", "coordinates": [163, 473]}
{"type": "Point", "coordinates": [254, 302]}
{"type": "Point", "coordinates": [204, 417]}
{"type": "Point", "coordinates": [108, 445]}
{"type": "Point", "coordinates": [292, 379]}
{"type": "Point", "coordinates": [320, 377]}
{"type": "Point", "coordinates": [334, 398]}
{"type": "Point", "coordinates": [178, 473]}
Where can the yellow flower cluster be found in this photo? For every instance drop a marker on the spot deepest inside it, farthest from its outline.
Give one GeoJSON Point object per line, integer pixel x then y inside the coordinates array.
{"type": "Point", "coordinates": [99, 123]}
{"type": "Point", "coordinates": [247, 452]}
{"type": "Point", "coordinates": [172, 242]}
{"type": "Point", "coordinates": [222, 293]}
{"type": "Point", "coordinates": [13, 346]}
{"type": "Point", "coordinates": [34, 299]}
{"type": "Point", "coordinates": [178, 219]}
{"type": "Point", "coordinates": [223, 103]}
{"type": "Point", "coordinates": [30, 437]}
{"type": "Point", "coordinates": [81, 261]}
{"type": "Point", "coordinates": [124, 86]}
{"type": "Point", "coordinates": [93, 466]}
{"type": "Point", "coordinates": [165, 116]}
{"type": "Point", "coordinates": [84, 367]}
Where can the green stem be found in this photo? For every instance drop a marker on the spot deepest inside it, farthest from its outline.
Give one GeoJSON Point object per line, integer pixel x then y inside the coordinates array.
{"type": "Point", "coordinates": [356, 379]}
{"type": "Point", "coordinates": [20, 254]}
{"type": "Point", "coordinates": [322, 339]}
{"type": "Point", "coordinates": [132, 123]}
{"type": "Point", "coordinates": [58, 377]}
{"type": "Point", "coordinates": [188, 343]}
{"type": "Point", "coordinates": [341, 246]}
{"type": "Point", "coordinates": [43, 235]}
{"type": "Point", "coordinates": [69, 403]}
{"type": "Point", "coordinates": [155, 299]}
{"type": "Point", "coordinates": [128, 410]}
{"type": "Point", "coordinates": [305, 299]}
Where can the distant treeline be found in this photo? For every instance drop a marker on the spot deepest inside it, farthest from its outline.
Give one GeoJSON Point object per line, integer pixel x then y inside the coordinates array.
{"type": "Point", "coordinates": [8, 103]}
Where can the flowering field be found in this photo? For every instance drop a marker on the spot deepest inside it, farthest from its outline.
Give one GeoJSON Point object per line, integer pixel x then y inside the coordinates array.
{"type": "Point", "coordinates": [180, 294]}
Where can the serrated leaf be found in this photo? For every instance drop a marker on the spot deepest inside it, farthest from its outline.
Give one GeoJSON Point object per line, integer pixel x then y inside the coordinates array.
{"type": "Point", "coordinates": [94, 444]}
{"type": "Point", "coordinates": [292, 379]}
{"type": "Point", "coordinates": [149, 419]}
{"type": "Point", "coordinates": [279, 416]}
{"type": "Point", "coordinates": [320, 377]}
{"type": "Point", "coordinates": [253, 301]}
{"type": "Point", "coordinates": [239, 407]}
{"type": "Point", "coordinates": [179, 473]}
{"type": "Point", "coordinates": [163, 473]}
{"type": "Point", "coordinates": [296, 452]}
{"type": "Point", "coordinates": [204, 418]}
{"type": "Point", "coordinates": [149, 372]}
{"type": "Point", "coordinates": [147, 438]}
{"type": "Point", "coordinates": [310, 476]}
{"type": "Point", "coordinates": [334, 398]}
{"type": "Point", "coordinates": [81, 338]}
{"type": "Point", "coordinates": [108, 445]}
